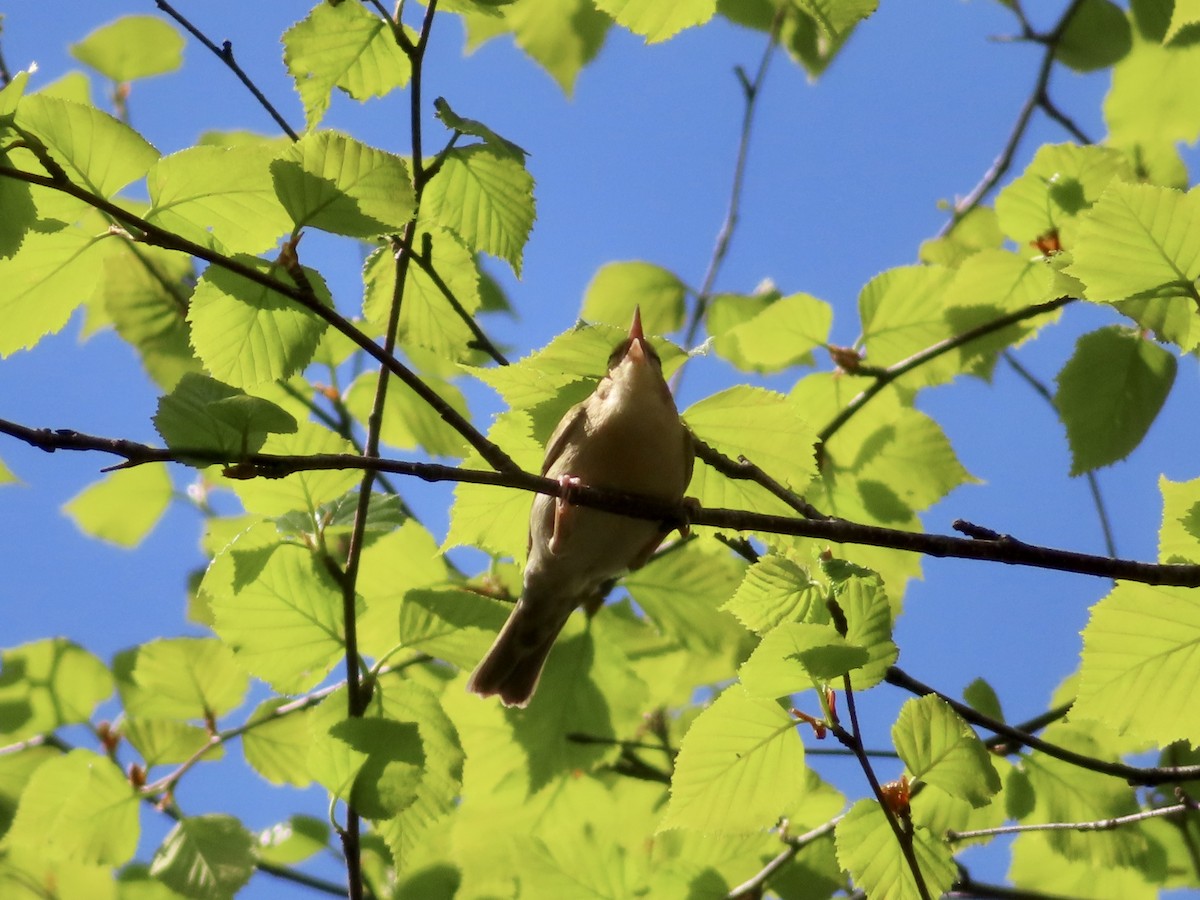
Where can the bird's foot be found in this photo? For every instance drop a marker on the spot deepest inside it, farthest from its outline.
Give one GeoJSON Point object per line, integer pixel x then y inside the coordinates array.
{"type": "Point", "coordinates": [563, 515]}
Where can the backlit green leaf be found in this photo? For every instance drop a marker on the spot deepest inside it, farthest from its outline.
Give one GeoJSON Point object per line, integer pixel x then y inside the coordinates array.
{"type": "Point", "coordinates": [205, 857]}
{"type": "Point", "coordinates": [246, 333]}
{"type": "Point", "coordinates": [1140, 241]}
{"type": "Point", "coordinates": [330, 181]}
{"type": "Point", "coordinates": [342, 45]}
{"type": "Point", "coordinates": [1109, 394]}
{"type": "Point", "coordinates": [97, 151]}
{"type": "Point", "coordinates": [79, 807]}
{"type": "Point", "coordinates": [451, 624]}
{"type": "Point", "coordinates": [293, 841]}
{"type": "Point", "coordinates": [46, 684]}
{"type": "Point", "coordinates": [798, 656]}
{"type": "Point", "coordinates": [783, 334]}
{"type": "Point", "coordinates": [276, 747]}
{"type": "Point", "coordinates": [44, 283]}
{"type": "Point", "coordinates": [657, 20]}
{"type": "Point", "coordinates": [902, 313]}
{"type": "Point", "coordinates": [1179, 537]}
{"type": "Point", "coordinates": [776, 590]}
{"type": "Point", "coordinates": [1140, 670]}
{"type": "Point", "coordinates": [1152, 97]}
{"type": "Point", "coordinates": [1096, 36]}
{"type": "Point", "coordinates": [203, 413]}
{"type": "Point", "coordinates": [941, 749]}
{"type": "Point", "coordinates": [867, 848]}
{"type": "Point", "coordinates": [619, 286]}
{"type": "Point", "coordinates": [219, 196]}
{"type": "Point", "coordinates": [375, 764]}
{"type": "Point", "coordinates": [131, 47]}
{"type": "Point", "coordinates": [740, 767]}
{"type": "Point", "coordinates": [188, 678]}
{"type": "Point", "coordinates": [125, 506]}
{"type": "Point", "coordinates": [486, 198]}
{"type": "Point", "coordinates": [286, 624]}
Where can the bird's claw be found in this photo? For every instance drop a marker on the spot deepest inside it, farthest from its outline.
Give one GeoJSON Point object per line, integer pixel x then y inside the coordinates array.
{"type": "Point", "coordinates": [562, 510]}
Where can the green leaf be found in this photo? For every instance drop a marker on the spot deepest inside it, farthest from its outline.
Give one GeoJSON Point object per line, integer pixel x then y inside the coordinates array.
{"type": "Point", "coordinates": [408, 421]}
{"type": "Point", "coordinates": [941, 749]}
{"type": "Point", "coordinates": [491, 518]}
{"type": "Point", "coordinates": [286, 624]}
{"type": "Point", "coordinates": [1183, 14]}
{"type": "Point", "coordinates": [486, 198]}
{"type": "Point", "coordinates": [455, 122]}
{"type": "Point", "coordinates": [344, 46]}
{"type": "Point", "coordinates": [1140, 669]}
{"type": "Point", "coordinates": [766, 428]}
{"type": "Point", "coordinates": [25, 871]}
{"type": "Point", "coordinates": [451, 624]}
{"type": "Point", "coordinates": [1109, 394]}
{"type": "Point", "coordinates": [330, 181]}
{"type": "Point", "coordinates": [6, 475]}
{"type": "Point", "coordinates": [682, 593]}
{"type": "Point", "coordinates": [783, 334]}
{"type": "Point", "coordinates": [46, 684]}
{"type": "Point", "coordinates": [1097, 36]}
{"type": "Point", "coordinates": [203, 413]}
{"type": "Point", "coordinates": [400, 560]}
{"type": "Point", "coordinates": [168, 741]}
{"type": "Point", "coordinates": [306, 491]}
{"type": "Point", "coordinates": [246, 333]}
{"type": "Point", "coordinates": [78, 807]}
{"type": "Point", "coordinates": [188, 678]}
{"type": "Point", "coordinates": [51, 275]}
{"type": "Point", "coordinates": [276, 745]}
{"type": "Point", "coordinates": [131, 47]}
{"type": "Point", "coordinates": [617, 287]}
{"type": "Point", "coordinates": [740, 767]}
{"type": "Point", "coordinates": [293, 841]}
{"type": "Point", "coordinates": [373, 764]}
{"type": "Point", "coordinates": [1037, 865]}
{"type": "Point", "coordinates": [439, 794]}
{"type": "Point", "coordinates": [219, 197]}
{"type": "Point", "coordinates": [96, 151]}
{"type": "Point", "coordinates": [427, 320]}
{"type": "Point", "coordinates": [1179, 537]}
{"type": "Point", "coordinates": [869, 620]}
{"type": "Point", "coordinates": [205, 857]}
{"type": "Point", "coordinates": [777, 590]}
{"type": "Point", "coordinates": [902, 313]}
{"type": "Point", "coordinates": [1140, 241]}
{"type": "Point", "coordinates": [797, 656]}
{"type": "Point", "coordinates": [867, 848]}
{"type": "Point", "coordinates": [562, 36]}
{"type": "Point", "coordinates": [125, 506]}
{"type": "Point", "coordinates": [657, 20]}
{"type": "Point", "coordinates": [1152, 97]}
{"type": "Point", "coordinates": [1065, 792]}
{"type": "Point", "coordinates": [1061, 183]}
{"type": "Point", "coordinates": [145, 293]}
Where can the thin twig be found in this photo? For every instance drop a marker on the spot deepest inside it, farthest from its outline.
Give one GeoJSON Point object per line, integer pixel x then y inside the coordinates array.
{"type": "Point", "coordinates": [1038, 97]}
{"type": "Point", "coordinates": [884, 377]}
{"type": "Point", "coordinates": [852, 740]}
{"type": "Point", "coordinates": [750, 92]}
{"type": "Point", "coordinates": [753, 886]}
{"type": "Point", "coordinates": [1110, 544]}
{"type": "Point", "coordinates": [1109, 824]}
{"type": "Point", "coordinates": [1148, 776]}
{"type": "Point", "coordinates": [225, 54]}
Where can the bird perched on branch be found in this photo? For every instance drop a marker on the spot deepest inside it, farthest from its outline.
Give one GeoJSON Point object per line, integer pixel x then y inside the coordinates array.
{"type": "Point", "coordinates": [628, 437]}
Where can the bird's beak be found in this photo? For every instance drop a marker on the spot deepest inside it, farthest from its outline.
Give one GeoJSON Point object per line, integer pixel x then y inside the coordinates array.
{"type": "Point", "coordinates": [637, 338]}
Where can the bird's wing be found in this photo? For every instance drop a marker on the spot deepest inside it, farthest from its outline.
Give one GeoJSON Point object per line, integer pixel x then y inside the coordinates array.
{"type": "Point", "coordinates": [569, 428]}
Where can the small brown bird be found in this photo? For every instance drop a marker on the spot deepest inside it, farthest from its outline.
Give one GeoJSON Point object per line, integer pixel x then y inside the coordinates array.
{"type": "Point", "coordinates": [627, 436]}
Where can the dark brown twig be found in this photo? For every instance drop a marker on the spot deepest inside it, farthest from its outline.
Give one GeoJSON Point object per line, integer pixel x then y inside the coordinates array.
{"type": "Point", "coordinates": [225, 54]}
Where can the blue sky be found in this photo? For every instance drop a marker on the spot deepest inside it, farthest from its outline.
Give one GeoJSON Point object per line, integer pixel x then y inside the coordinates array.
{"type": "Point", "coordinates": [845, 179]}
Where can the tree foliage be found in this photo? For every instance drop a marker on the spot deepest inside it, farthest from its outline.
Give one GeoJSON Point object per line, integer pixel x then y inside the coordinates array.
{"type": "Point", "coordinates": [665, 752]}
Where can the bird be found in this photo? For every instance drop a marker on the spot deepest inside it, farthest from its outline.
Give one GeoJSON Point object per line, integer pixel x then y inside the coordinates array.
{"type": "Point", "coordinates": [627, 437]}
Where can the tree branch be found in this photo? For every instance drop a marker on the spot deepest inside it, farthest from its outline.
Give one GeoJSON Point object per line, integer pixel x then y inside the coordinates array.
{"type": "Point", "coordinates": [1002, 548]}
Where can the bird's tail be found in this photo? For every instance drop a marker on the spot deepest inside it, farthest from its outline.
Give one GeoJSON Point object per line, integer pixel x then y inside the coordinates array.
{"type": "Point", "coordinates": [514, 664]}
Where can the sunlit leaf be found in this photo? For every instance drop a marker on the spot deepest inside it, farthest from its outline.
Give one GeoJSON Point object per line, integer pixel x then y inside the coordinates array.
{"type": "Point", "coordinates": [131, 47]}
{"type": "Point", "coordinates": [125, 506]}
